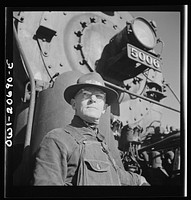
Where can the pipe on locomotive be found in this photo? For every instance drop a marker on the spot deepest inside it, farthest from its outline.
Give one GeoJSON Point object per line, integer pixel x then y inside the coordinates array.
{"type": "Point", "coordinates": [33, 91]}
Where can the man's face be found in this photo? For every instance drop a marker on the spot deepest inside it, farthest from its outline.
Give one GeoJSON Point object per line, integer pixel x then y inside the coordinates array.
{"type": "Point", "coordinates": [89, 104]}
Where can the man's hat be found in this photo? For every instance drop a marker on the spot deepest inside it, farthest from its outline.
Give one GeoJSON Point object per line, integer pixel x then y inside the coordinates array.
{"type": "Point", "coordinates": [93, 79]}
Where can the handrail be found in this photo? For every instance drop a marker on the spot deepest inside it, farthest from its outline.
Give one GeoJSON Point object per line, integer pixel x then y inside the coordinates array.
{"type": "Point", "coordinates": [139, 96]}
{"type": "Point", "coordinates": [169, 141]}
{"type": "Point", "coordinates": [33, 91]}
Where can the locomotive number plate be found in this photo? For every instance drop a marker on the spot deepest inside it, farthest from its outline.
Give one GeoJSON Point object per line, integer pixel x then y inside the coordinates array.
{"type": "Point", "coordinates": [143, 57]}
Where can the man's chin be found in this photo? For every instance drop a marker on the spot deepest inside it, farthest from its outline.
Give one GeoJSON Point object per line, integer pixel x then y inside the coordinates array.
{"type": "Point", "coordinates": [92, 119]}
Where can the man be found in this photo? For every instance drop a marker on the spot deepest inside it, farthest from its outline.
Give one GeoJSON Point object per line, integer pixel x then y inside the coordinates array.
{"type": "Point", "coordinates": [78, 154]}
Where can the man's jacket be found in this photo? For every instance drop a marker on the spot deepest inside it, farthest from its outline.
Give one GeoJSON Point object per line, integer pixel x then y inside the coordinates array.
{"type": "Point", "coordinates": [78, 155]}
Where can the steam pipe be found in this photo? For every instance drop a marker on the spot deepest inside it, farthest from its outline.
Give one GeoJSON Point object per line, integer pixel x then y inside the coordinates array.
{"type": "Point", "coordinates": [172, 140]}
{"type": "Point", "coordinates": [33, 91]}
{"type": "Point", "coordinates": [139, 96]}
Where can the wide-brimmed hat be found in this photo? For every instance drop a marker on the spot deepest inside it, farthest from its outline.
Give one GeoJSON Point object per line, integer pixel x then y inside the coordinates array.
{"type": "Point", "coordinates": [93, 79]}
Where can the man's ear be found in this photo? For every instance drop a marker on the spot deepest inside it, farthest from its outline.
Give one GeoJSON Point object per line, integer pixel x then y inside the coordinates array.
{"type": "Point", "coordinates": [73, 103]}
{"type": "Point", "coordinates": [104, 108]}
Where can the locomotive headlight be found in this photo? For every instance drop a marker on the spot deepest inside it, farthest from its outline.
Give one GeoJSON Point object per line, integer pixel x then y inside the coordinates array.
{"type": "Point", "coordinates": [144, 32]}
{"type": "Point", "coordinates": [130, 51]}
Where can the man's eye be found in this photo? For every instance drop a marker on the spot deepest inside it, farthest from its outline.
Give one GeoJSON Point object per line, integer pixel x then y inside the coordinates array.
{"type": "Point", "coordinates": [100, 96]}
{"type": "Point", "coordinates": [86, 94]}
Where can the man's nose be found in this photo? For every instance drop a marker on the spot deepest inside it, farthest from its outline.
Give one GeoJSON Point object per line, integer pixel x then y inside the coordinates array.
{"type": "Point", "coordinates": [93, 97]}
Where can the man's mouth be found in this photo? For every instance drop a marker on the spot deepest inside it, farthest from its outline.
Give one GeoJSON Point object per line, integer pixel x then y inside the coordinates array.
{"type": "Point", "coordinates": [92, 107]}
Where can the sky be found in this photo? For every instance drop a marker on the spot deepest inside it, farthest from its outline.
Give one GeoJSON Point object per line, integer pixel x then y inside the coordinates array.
{"type": "Point", "coordinates": [168, 30]}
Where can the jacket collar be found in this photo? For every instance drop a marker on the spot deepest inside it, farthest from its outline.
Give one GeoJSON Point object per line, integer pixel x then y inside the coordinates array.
{"type": "Point", "coordinates": [78, 122]}
{"type": "Point", "coordinates": [86, 128]}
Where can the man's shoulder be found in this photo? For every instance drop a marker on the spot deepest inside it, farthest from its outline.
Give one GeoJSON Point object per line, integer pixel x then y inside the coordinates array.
{"type": "Point", "coordinates": [59, 134]}
{"type": "Point", "coordinates": [61, 139]}
{"type": "Point", "coordinates": [67, 134]}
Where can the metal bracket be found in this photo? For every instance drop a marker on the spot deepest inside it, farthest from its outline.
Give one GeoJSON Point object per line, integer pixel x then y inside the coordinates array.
{"type": "Point", "coordinates": [154, 91]}
{"type": "Point", "coordinates": [45, 33]}
{"type": "Point", "coordinates": [44, 36]}
{"type": "Point", "coordinates": [39, 86]}
{"type": "Point", "coordinates": [19, 16]}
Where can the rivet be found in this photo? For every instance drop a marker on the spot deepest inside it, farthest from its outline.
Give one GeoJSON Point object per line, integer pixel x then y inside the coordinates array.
{"type": "Point", "coordinates": [22, 18]}
{"type": "Point", "coordinates": [92, 20]}
{"type": "Point", "coordinates": [98, 166]}
{"type": "Point", "coordinates": [103, 21]}
{"type": "Point", "coordinates": [114, 26]}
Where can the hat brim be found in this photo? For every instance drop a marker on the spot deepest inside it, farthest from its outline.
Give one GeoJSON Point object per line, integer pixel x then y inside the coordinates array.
{"type": "Point", "coordinates": [70, 92]}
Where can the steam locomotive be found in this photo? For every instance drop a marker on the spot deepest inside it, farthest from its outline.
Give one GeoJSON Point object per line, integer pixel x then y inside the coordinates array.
{"type": "Point", "coordinates": [50, 48]}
